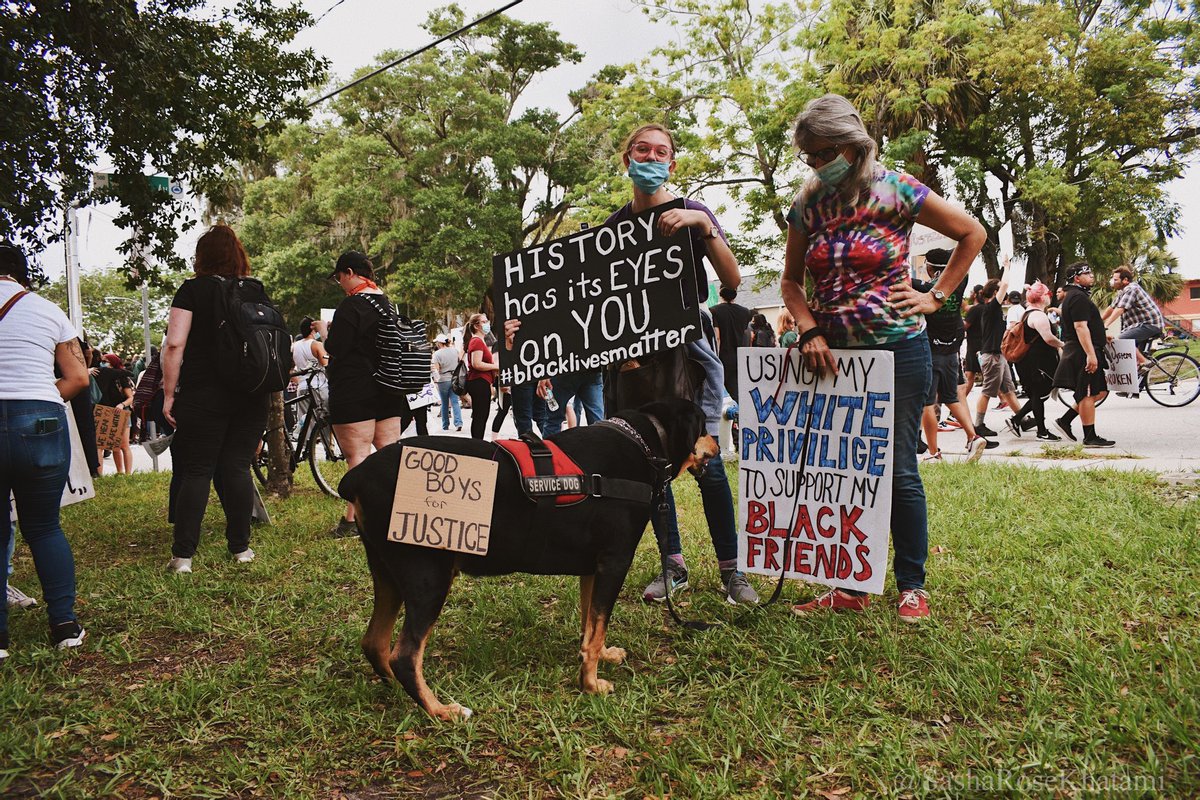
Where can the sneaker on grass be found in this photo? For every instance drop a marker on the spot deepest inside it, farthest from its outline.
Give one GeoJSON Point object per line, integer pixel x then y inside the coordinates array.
{"type": "Point", "coordinates": [656, 590]}
{"type": "Point", "coordinates": [914, 605]}
{"type": "Point", "coordinates": [932, 458]}
{"type": "Point", "coordinates": [738, 590]}
{"type": "Point", "coordinates": [3, 646]}
{"type": "Point", "coordinates": [244, 557]}
{"type": "Point", "coordinates": [179, 565]}
{"type": "Point", "coordinates": [834, 600]}
{"type": "Point", "coordinates": [343, 529]}
{"type": "Point", "coordinates": [18, 599]}
{"type": "Point", "coordinates": [975, 449]}
{"type": "Point", "coordinates": [67, 634]}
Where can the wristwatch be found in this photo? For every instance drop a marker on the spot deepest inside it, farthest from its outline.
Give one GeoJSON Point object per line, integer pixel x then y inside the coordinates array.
{"type": "Point", "coordinates": [712, 233]}
{"type": "Point", "coordinates": [938, 295]}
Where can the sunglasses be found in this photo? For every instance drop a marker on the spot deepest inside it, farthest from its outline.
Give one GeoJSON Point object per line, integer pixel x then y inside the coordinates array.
{"type": "Point", "coordinates": [823, 156]}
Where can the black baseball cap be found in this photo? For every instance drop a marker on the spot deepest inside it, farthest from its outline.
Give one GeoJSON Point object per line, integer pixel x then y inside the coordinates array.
{"type": "Point", "coordinates": [353, 261]}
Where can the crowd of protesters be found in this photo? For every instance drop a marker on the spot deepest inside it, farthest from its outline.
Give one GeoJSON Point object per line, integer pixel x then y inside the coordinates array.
{"type": "Point", "coordinates": [850, 211]}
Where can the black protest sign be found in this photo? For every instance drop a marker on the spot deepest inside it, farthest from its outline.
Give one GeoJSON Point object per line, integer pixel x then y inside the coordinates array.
{"type": "Point", "coordinates": [597, 297]}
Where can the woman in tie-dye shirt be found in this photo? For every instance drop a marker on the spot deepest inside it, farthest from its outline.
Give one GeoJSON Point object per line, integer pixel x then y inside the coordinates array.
{"type": "Point", "coordinates": [849, 228]}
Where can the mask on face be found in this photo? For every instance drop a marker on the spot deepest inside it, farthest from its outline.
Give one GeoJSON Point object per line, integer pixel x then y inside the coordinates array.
{"type": "Point", "coordinates": [487, 328]}
{"type": "Point", "coordinates": [834, 172]}
{"type": "Point", "coordinates": [648, 176]}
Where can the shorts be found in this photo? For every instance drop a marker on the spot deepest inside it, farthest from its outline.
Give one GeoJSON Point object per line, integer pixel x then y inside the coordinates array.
{"type": "Point", "coordinates": [997, 379]}
{"type": "Point", "coordinates": [947, 375]}
{"type": "Point", "coordinates": [362, 406]}
{"type": "Point", "coordinates": [1072, 373]}
{"type": "Point", "coordinates": [1143, 334]}
{"type": "Point", "coordinates": [972, 360]}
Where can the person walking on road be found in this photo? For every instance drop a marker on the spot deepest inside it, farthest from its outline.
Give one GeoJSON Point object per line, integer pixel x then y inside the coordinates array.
{"type": "Point", "coordinates": [1081, 369]}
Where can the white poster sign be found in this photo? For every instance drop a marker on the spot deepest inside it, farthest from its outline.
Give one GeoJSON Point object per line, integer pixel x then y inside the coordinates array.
{"type": "Point", "coordinates": [820, 500]}
{"type": "Point", "coordinates": [1121, 373]}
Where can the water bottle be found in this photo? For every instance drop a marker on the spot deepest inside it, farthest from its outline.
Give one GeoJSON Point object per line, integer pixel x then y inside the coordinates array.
{"type": "Point", "coordinates": [551, 403]}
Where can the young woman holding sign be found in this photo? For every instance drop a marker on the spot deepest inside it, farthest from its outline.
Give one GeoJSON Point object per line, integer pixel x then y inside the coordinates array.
{"type": "Point", "coordinates": [481, 373]}
{"type": "Point", "coordinates": [849, 227]}
{"type": "Point", "coordinates": [649, 158]}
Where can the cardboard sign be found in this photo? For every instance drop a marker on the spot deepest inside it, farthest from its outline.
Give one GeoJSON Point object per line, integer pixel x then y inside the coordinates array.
{"type": "Point", "coordinates": [79, 480]}
{"type": "Point", "coordinates": [597, 297]}
{"type": "Point", "coordinates": [443, 500]}
{"type": "Point", "coordinates": [830, 493]}
{"type": "Point", "coordinates": [1121, 372]}
{"type": "Point", "coordinates": [110, 422]}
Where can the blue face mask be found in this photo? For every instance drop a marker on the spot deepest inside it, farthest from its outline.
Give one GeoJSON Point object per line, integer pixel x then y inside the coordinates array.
{"type": "Point", "coordinates": [648, 176]}
{"type": "Point", "coordinates": [834, 172]}
{"type": "Point", "coordinates": [487, 328]}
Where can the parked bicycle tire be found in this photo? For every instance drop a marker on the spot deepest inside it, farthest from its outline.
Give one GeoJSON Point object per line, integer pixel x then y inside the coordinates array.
{"type": "Point", "coordinates": [260, 463]}
{"type": "Point", "coordinates": [1174, 380]}
{"type": "Point", "coordinates": [326, 459]}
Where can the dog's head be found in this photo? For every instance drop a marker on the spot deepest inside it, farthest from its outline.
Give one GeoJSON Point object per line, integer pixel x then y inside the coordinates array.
{"type": "Point", "coordinates": [688, 445]}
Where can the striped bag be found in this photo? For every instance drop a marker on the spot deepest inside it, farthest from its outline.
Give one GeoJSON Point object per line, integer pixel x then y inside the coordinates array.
{"type": "Point", "coordinates": [402, 347]}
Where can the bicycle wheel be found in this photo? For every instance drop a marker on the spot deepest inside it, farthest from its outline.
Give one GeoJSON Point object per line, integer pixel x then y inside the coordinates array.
{"type": "Point", "coordinates": [326, 459]}
{"type": "Point", "coordinates": [1067, 397]}
{"type": "Point", "coordinates": [262, 459]}
{"type": "Point", "coordinates": [1173, 380]}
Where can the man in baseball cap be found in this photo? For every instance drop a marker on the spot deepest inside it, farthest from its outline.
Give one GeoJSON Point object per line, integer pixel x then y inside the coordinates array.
{"type": "Point", "coordinates": [1081, 368]}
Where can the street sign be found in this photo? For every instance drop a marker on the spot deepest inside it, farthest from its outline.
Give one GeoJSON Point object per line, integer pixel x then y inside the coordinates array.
{"type": "Point", "coordinates": [101, 180]}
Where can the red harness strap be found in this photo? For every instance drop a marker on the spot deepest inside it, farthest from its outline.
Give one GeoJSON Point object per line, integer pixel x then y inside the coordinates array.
{"type": "Point", "coordinates": [567, 477]}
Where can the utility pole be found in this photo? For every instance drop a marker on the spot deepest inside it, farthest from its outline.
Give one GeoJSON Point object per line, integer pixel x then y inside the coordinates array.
{"type": "Point", "coordinates": [71, 251]}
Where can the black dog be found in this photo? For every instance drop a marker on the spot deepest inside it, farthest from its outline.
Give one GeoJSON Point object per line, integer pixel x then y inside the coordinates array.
{"type": "Point", "coordinates": [594, 539]}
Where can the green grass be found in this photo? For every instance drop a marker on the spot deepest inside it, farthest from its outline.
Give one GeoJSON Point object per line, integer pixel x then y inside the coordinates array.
{"type": "Point", "coordinates": [1063, 655]}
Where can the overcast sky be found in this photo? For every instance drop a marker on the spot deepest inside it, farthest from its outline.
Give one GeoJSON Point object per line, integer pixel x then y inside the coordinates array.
{"type": "Point", "coordinates": [354, 32]}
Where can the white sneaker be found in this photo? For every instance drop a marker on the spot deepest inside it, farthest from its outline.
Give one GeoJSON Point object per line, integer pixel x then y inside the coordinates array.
{"type": "Point", "coordinates": [932, 458]}
{"type": "Point", "coordinates": [244, 557]}
{"type": "Point", "coordinates": [975, 449]}
{"type": "Point", "coordinates": [179, 565]}
{"type": "Point", "coordinates": [18, 599]}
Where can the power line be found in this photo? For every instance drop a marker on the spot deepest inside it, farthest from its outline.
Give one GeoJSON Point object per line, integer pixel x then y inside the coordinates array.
{"type": "Point", "coordinates": [326, 14]}
{"type": "Point", "coordinates": [402, 59]}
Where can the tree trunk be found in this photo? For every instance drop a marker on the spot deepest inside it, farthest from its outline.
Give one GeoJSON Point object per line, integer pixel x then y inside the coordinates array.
{"type": "Point", "coordinates": [279, 472]}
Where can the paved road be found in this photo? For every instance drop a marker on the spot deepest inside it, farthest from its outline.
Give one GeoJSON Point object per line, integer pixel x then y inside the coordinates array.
{"type": "Point", "coordinates": [1148, 436]}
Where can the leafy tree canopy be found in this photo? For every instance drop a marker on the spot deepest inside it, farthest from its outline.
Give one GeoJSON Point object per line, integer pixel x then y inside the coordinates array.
{"type": "Point", "coordinates": [172, 86]}
{"type": "Point", "coordinates": [112, 312]}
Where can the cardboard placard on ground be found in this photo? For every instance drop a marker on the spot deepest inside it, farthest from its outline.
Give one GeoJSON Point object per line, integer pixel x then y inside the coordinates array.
{"type": "Point", "coordinates": [1121, 372]}
{"type": "Point", "coordinates": [443, 500]}
{"type": "Point", "coordinates": [600, 296]}
{"type": "Point", "coordinates": [110, 422]}
{"type": "Point", "coordinates": [830, 495]}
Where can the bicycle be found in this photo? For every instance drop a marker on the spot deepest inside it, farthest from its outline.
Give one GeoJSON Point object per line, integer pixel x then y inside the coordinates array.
{"type": "Point", "coordinates": [314, 441]}
{"type": "Point", "coordinates": [1171, 376]}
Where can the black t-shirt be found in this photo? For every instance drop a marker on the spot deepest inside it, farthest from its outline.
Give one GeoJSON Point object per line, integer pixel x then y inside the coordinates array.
{"type": "Point", "coordinates": [201, 296]}
{"type": "Point", "coordinates": [731, 321]}
{"type": "Point", "coordinates": [944, 326]}
{"type": "Point", "coordinates": [991, 325]}
{"type": "Point", "coordinates": [1077, 306]}
{"type": "Point", "coordinates": [699, 246]}
{"type": "Point", "coordinates": [973, 327]}
{"type": "Point", "coordinates": [112, 383]}
{"type": "Point", "coordinates": [351, 348]}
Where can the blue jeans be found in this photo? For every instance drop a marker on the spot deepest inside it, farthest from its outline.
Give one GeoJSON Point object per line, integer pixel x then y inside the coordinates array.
{"type": "Point", "coordinates": [717, 498]}
{"type": "Point", "coordinates": [449, 400]}
{"type": "Point", "coordinates": [910, 520]}
{"type": "Point", "coordinates": [34, 466]}
{"type": "Point", "coordinates": [528, 408]}
{"type": "Point", "coordinates": [587, 386]}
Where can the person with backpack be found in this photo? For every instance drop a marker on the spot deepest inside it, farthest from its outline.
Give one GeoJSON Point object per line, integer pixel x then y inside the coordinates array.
{"type": "Point", "coordinates": [363, 413]}
{"type": "Point", "coordinates": [1037, 364]}
{"type": "Point", "coordinates": [760, 332]}
{"type": "Point", "coordinates": [226, 350]}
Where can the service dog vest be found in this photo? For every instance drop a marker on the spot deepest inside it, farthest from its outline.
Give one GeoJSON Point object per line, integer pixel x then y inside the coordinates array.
{"type": "Point", "coordinates": [549, 473]}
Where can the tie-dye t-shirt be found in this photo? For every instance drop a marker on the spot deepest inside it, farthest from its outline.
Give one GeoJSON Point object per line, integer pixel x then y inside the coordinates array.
{"type": "Point", "coordinates": [856, 254]}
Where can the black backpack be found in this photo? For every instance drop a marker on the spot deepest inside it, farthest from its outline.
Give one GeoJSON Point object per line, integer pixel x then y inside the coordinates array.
{"type": "Point", "coordinates": [402, 348]}
{"type": "Point", "coordinates": [254, 347]}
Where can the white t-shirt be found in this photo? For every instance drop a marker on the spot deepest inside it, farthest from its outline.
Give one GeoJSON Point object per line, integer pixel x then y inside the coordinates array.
{"type": "Point", "coordinates": [28, 336]}
{"type": "Point", "coordinates": [1014, 315]}
{"type": "Point", "coordinates": [303, 358]}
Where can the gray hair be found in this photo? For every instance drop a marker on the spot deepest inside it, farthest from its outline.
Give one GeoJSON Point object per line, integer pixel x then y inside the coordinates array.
{"type": "Point", "coordinates": [834, 118]}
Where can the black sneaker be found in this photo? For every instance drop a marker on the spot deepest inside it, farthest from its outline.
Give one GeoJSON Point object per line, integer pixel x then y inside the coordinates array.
{"type": "Point", "coordinates": [1065, 427]}
{"type": "Point", "coordinates": [343, 529]}
{"type": "Point", "coordinates": [984, 430]}
{"type": "Point", "coordinates": [1047, 436]}
{"type": "Point", "coordinates": [67, 634]}
{"type": "Point", "coordinates": [1013, 427]}
{"type": "Point", "coordinates": [1098, 441]}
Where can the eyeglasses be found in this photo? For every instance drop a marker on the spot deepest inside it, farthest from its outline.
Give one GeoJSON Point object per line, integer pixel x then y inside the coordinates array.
{"type": "Point", "coordinates": [644, 150]}
{"type": "Point", "coordinates": [823, 156]}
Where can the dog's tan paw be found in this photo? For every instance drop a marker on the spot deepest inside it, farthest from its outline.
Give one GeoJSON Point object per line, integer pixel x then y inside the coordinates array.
{"type": "Point", "coordinates": [613, 655]}
{"type": "Point", "coordinates": [453, 713]}
{"type": "Point", "coordinates": [602, 687]}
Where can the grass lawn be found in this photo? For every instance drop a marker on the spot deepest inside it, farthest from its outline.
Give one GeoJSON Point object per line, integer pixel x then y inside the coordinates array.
{"type": "Point", "coordinates": [1062, 658]}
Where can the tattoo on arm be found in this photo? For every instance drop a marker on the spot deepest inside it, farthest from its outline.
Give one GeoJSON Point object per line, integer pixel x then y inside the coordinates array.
{"type": "Point", "coordinates": [74, 349]}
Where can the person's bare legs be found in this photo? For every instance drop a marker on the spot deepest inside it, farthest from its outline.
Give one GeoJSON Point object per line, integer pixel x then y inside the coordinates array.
{"type": "Point", "coordinates": [929, 427]}
{"type": "Point", "coordinates": [123, 455]}
{"type": "Point", "coordinates": [958, 410]}
{"type": "Point", "coordinates": [355, 440]}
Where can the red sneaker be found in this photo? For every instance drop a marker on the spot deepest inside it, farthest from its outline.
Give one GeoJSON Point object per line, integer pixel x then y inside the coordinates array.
{"type": "Point", "coordinates": [835, 600]}
{"type": "Point", "coordinates": [914, 605]}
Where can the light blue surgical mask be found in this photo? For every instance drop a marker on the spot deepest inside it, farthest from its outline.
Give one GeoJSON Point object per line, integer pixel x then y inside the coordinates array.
{"type": "Point", "coordinates": [487, 328]}
{"type": "Point", "coordinates": [834, 172]}
{"type": "Point", "coordinates": [648, 176]}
